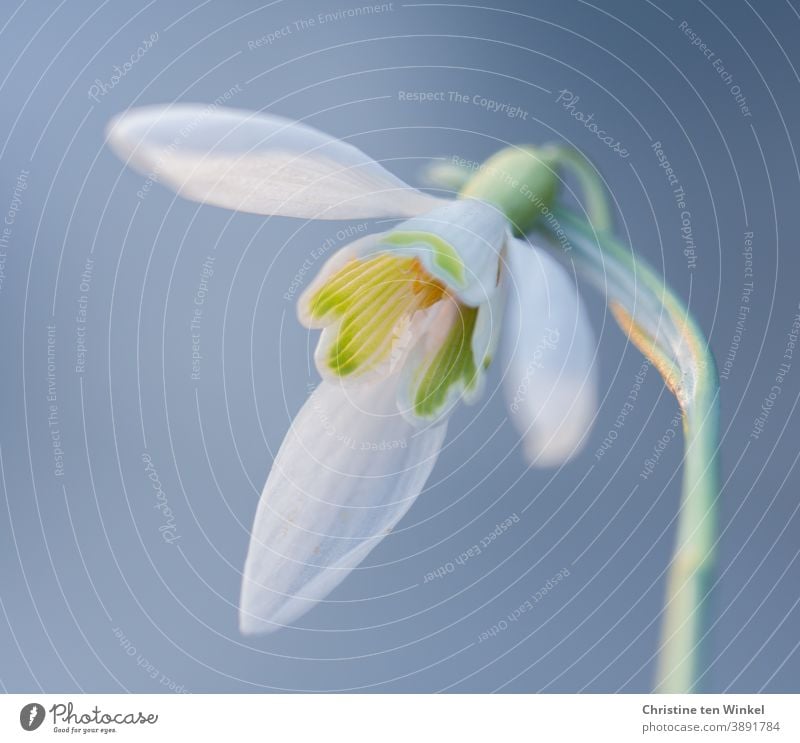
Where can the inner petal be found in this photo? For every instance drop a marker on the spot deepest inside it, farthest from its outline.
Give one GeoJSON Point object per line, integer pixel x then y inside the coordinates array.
{"type": "Point", "coordinates": [369, 305]}
{"type": "Point", "coordinates": [436, 379]}
{"type": "Point", "coordinates": [458, 244]}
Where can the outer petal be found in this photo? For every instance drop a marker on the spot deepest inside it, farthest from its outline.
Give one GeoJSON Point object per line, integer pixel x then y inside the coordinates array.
{"type": "Point", "coordinates": [347, 472]}
{"type": "Point", "coordinates": [549, 345]}
{"type": "Point", "coordinates": [458, 243]}
{"type": "Point", "coordinates": [259, 163]}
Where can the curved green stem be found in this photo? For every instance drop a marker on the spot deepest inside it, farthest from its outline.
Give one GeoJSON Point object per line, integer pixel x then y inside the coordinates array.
{"type": "Point", "coordinates": [522, 183]}
{"type": "Point", "coordinates": [594, 192]}
{"type": "Point", "coordinates": [661, 326]}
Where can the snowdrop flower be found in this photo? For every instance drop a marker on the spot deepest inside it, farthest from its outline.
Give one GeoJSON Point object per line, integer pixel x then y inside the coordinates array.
{"type": "Point", "coordinates": [410, 319]}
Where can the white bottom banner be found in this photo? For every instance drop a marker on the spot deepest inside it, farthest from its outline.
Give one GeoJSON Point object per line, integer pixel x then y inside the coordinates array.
{"type": "Point", "coordinates": [418, 718]}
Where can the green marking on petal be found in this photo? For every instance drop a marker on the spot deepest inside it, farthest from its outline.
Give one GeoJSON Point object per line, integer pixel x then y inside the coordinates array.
{"type": "Point", "coordinates": [372, 301]}
{"type": "Point", "coordinates": [347, 285]}
{"type": "Point", "coordinates": [452, 364]}
{"type": "Point", "coordinates": [445, 255]}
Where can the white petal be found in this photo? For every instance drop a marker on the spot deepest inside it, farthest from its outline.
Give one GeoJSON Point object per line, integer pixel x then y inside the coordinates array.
{"type": "Point", "coordinates": [483, 344]}
{"type": "Point", "coordinates": [441, 320]}
{"type": "Point", "coordinates": [468, 238]}
{"type": "Point", "coordinates": [337, 261]}
{"type": "Point", "coordinates": [445, 316]}
{"type": "Point", "coordinates": [549, 347]}
{"type": "Point", "coordinates": [259, 163]}
{"type": "Point", "coordinates": [404, 338]}
{"type": "Point", "coordinates": [346, 473]}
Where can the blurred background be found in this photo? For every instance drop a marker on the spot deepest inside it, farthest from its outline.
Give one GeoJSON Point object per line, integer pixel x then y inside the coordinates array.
{"type": "Point", "coordinates": [108, 584]}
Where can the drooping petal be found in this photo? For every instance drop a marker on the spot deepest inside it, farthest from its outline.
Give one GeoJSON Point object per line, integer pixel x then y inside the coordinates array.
{"type": "Point", "coordinates": [259, 163]}
{"type": "Point", "coordinates": [549, 347]}
{"type": "Point", "coordinates": [346, 473]}
{"type": "Point", "coordinates": [459, 243]}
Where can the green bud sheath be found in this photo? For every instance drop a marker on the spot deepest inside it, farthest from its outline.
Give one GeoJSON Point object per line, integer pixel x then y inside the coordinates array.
{"type": "Point", "coordinates": [520, 181]}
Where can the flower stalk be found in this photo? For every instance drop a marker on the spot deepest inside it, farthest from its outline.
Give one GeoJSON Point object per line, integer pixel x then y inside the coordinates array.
{"type": "Point", "coordinates": [662, 328]}
{"type": "Point", "coordinates": [522, 182]}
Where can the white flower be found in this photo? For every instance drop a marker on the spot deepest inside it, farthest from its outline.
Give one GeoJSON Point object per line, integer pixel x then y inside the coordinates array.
{"type": "Point", "coordinates": [410, 321]}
